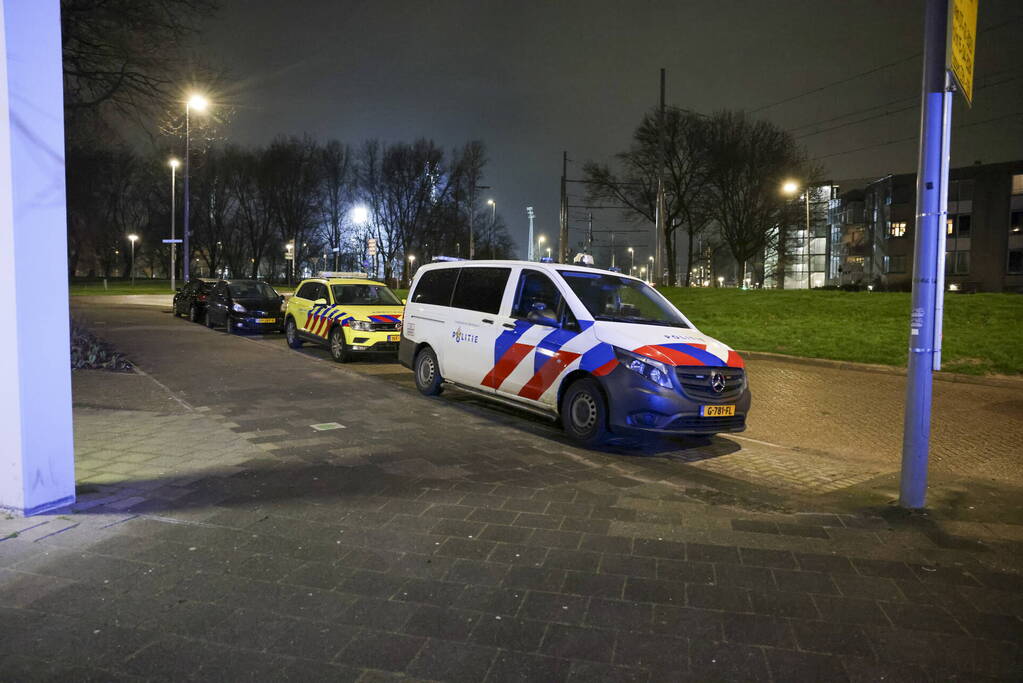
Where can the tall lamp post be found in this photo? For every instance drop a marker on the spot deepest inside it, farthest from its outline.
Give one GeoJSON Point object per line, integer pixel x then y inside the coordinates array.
{"type": "Point", "coordinates": [493, 221]}
{"type": "Point", "coordinates": [199, 104]}
{"type": "Point", "coordinates": [531, 215]}
{"type": "Point", "coordinates": [132, 238]}
{"type": "Point", "coordinates": [791, 188]}
{"type": "Point", "coordinates": [411, 263]}
{"type": "Point", "coordinates": [632, 267]}
{"type": "Point", "coordinates": [539, 245]}
{"type": "Point", "coordinates": [174, 163]}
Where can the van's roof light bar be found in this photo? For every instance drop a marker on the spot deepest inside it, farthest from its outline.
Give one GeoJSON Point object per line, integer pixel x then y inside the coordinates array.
{"type": "Point", "coordinates": [447, 258]}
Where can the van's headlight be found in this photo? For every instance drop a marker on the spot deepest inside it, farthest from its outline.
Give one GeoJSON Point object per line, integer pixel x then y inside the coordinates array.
{"type": "Point", "coordinates": [238, 308]}
{"type": "Point", "coordinates": [655, 371]}
{"type": "Point", "coordinates": [361, 325]}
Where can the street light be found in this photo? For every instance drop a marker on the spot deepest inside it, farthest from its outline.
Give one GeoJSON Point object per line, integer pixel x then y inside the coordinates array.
{"type": "Point", "coordinates": [198, 103]}
{"type": "Point", "coordinates": [411, 263]}
{"type": "Point", "coordinates": [791, 187]}
{"type": "Point", "coordinates": [132, 238]}
{"type": "Point", "coordinates": [632, 268]}
{"type": "Point", "coordinates": [359, 214]}
{"type": "Point", "coordinates": [721, 282]}
{"type": "Point", "coordinates": [493, 223]}
{"type": "Point", "coordinates": [539, 244]}
{"type": "Point", "coordinates": [173, 163]}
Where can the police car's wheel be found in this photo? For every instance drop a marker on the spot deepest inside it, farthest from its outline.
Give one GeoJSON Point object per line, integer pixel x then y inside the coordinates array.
{"type": "Point", "coordinates": [584, 412]}
{"type": "Point", "coordinates": [291, 334]}
{"type": "Point", "coordinates": [339, 350]}
{"type": "Point", "coordinates": [427, 371]}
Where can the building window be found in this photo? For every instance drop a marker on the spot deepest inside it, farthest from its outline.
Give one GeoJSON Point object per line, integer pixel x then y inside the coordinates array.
{"type": "Point", "coordinates": [1015, 262]}
{"type": "Point", "coordinates": [957, 263]}
{"type": "Point", "coordinates": [895, 264]}
{"type": "Point", "coordinates": [1017, 183]}
{"type": "Point", "coordinates": [1016, 223]}
{"type": "Point", "coordinates": [896, 228]}
{"type": "Point", "coordinates": [963, 225]}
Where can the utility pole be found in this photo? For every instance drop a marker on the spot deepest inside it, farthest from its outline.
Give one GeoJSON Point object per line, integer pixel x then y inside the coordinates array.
{"type": "Point", "coordinates": [529, 250]}
{"type": "Point", "coordinates": [928, 248]}
{"type": "Point", "coordinates": [661, 206]}
{"type": "Point", "coordinates": [563, 233]}
{"type": "Point", "coordinates": [472, 214]}
{"type": "Point", "coordinates": [589, 234]}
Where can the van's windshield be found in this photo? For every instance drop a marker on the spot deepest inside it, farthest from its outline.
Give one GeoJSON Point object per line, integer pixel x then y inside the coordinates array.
{"type": "Point", "coordinates": [621, 299]}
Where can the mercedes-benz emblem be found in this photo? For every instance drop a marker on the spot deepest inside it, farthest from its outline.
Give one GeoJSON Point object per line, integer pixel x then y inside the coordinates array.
{"type": "Point", "coordinates": [717, 382]}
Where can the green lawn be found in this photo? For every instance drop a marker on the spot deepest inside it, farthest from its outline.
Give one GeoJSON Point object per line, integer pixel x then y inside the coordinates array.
{"type": "Point", "coordinates": [983, 333]}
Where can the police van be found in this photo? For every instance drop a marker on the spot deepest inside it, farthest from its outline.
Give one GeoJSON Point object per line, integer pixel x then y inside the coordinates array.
{"type": "Point", "coordinates": [604, 352]}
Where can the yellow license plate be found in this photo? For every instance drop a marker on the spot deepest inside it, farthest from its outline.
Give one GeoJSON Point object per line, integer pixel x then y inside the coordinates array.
{"type": "Point", "coordinates": [393, 337]}
{"type": "Point", "coordinates": [266, 320]}
{"type": "Point", "coordinates": [717, 411]}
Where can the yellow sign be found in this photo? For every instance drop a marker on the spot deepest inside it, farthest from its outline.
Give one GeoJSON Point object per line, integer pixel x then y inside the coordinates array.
{"type": "Point", "coordinates": [961, 43]}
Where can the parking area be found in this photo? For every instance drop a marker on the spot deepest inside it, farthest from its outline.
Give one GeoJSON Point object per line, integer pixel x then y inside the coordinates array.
{"type": "Point", "coordinates": [246, 510]}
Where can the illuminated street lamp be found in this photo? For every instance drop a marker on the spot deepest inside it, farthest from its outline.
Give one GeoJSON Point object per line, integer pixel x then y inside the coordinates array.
{"type": "Point", "coordinates": [132, 238]}
{"type": "Point", "coordinates": [539, 244]}
{"type": "Point", "coordinates": [791, 187]}
{"type": "Point", "coordinates": [359, 215]}
{"type": "Point", "coordinates": [493, 223]}
{"type": "Point", "coordinates": [721, 282]}
{"type": "Point", "coordinates": [195, 103]}
{"type": "Point", "coordinates": [173, 163]}
{"type": "Point", "coordinates": [632, 268]}
{"type": "Point", "coordinates": [411, 264]}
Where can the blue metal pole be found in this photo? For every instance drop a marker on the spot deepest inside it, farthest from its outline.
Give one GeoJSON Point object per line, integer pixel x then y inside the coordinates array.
{"type": "Point", "coordinates": [929, 193]}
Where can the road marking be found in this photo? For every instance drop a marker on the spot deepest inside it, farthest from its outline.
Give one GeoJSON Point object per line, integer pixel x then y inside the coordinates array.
{"type": "Point", "coordinates": [762, 443]}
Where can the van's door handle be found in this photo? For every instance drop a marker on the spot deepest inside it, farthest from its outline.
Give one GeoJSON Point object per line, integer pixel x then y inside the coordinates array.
{"type": "Point", "coordinates": [508, 325]}
{"type": "Point", "coordinates": [488, 321]}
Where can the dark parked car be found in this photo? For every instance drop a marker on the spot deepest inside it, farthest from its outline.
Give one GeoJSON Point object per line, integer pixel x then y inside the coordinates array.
{"type": "Point", "coordinates": [191, 299]}
{"type": "Point", "coordinates": [244, 305]}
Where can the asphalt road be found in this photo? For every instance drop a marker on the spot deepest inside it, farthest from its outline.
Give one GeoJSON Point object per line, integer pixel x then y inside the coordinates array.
{"type": "Point", "coordinates": [814, 432]}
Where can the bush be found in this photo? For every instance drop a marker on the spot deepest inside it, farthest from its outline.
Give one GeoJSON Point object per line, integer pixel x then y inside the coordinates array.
{"type": "Point", "coordinates": [90, 353]}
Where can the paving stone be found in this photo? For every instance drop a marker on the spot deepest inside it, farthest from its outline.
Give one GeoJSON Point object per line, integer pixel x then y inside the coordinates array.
{"type": "Point", "coordinates": [687, 572]}
{"type": "Point", "coordinates": [669, 549]}
{"type": "Point", "coordinates": [554, 607]}
{"type": "Point", "coordinates": [652, 590]}
{"type": "Point", "coordinates": [597, 585]}
{"type": "Point", "coordinates": [381, 650]}
{"type": "Point", "coordinates": [446, 661]}
{"type": "Point", "coordinates": [804, 582]}
{"type": "Point", "coordinates": [516, 667]}
{"type": "Point", "coordinates": [655, 652]}
{"type": "Point", "coordinates": [619, 614]}
{"type": "Point", "coordinates": [762, 557]}
{"type": "Point", "coordinates": [921, 617]}
{"type": "Point", "coordinates": [578, 560]}
{"type": "Point", "coordinates": [755, 629]}
{"type": "Point", "coordinates": [718, 597]}
{"type": "Point", "coordinates": [850, 610]}
{"type": "Point", "coordinates": [503, 601]}
{"type": "Point", "coordinates": [688, 622]}
{"type": "Point", "coordinates": [787, 665]}
{"type": "Point", "coordinates": [830, 638]}
{"type": "Point", "coordinates": [591, 672]}
{"type": "Point", "coordinates": [508, 633]}
{"type": "Point", "coordinates": [439, 622]}
{"type": "Point", "coordinates": [703, 552]}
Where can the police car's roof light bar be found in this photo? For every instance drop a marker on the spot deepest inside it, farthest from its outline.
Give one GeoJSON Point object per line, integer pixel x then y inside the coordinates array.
{"type": "Point", "coordinates": [447, 258]}
{"type": "Point", "coordinates": [341, 274]}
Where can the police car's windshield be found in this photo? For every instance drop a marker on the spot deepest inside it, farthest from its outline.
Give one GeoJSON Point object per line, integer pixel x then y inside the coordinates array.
{"type": "Point", "coordinates": [620, 299]}
{"type": "Point", "coordinates": [364, 295]}
{"type": "Point", "coordinates": [252, 290]}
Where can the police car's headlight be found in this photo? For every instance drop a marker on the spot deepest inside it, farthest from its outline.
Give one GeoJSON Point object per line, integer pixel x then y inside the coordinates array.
{"type": "Point", "coordinates": [238, 308]}
{"type": "Point", "coordinates": [655, 371]}
{"type": "Point", "coordinates": [361, 325]}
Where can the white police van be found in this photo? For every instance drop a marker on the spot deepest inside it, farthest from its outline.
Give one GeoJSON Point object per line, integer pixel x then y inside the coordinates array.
{"type": "Point", "coordinates": [603, 351]}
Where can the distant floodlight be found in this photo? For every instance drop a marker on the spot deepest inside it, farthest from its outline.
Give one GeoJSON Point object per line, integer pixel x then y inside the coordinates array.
{"type": "Point", "coordinates": [790, 187]}
{"type": "Point", "coordinates": [174, 163]}
{"type": "Point", "coordinates": [359, 215]}
{"type": "Point", "coordinates": [197, 103]}
{"type": "Point", "coordinates": [133, 237]}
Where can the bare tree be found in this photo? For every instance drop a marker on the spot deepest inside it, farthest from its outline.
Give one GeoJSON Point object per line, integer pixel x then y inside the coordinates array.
{"type": "Point", "coordinates": [292, 168]}
{"type": "Point", "coordinates": [671, 145]}
{"type": "Point", "coordinates": [751, 159]}
{"type": "Point", "coordinates": [336, 191]}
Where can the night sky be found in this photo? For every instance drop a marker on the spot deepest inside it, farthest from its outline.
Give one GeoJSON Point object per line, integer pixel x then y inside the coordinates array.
{"type": "Point", "coordinates": [534, 78]}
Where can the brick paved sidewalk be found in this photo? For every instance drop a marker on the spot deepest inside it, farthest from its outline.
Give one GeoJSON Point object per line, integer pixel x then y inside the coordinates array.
{"type": "Point", "coordinates": [232, 541]}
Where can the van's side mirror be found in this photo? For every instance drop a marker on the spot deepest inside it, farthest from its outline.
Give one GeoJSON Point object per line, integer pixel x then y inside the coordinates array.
{"type": "Point", "coordinates": [542, 317]}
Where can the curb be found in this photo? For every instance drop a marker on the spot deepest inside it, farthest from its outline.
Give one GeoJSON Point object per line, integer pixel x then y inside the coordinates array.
{"type": "Point", "coordinates": [983, 380]}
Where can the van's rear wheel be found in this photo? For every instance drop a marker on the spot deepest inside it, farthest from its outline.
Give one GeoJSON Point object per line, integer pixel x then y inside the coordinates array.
{"type": "Point", "coordinates": [584, 412]}
{"type": "Point", "coordinates": [427, 372]}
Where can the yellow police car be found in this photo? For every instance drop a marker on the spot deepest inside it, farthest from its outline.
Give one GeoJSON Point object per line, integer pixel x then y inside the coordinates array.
{"type": "Point", "coordinates": [347, 312]}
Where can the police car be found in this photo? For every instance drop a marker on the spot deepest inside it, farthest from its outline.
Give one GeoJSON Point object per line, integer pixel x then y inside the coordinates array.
{"type": "Point", "coordinates": [347, 312]}
{"type": "Point", "coordinates": [604, 352]}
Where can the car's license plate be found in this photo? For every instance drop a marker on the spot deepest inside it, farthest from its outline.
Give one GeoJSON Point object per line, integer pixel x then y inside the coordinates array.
{"type": "Point", "coordinates": [393, 337]}
{"type": "Point", "coordinates": [717, 411]}
{"type": "Point", "coordinates": [266, 320]}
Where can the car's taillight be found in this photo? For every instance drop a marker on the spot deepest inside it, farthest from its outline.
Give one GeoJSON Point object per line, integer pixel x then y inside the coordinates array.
{"type": "Point", "coordinates": [202, 297]}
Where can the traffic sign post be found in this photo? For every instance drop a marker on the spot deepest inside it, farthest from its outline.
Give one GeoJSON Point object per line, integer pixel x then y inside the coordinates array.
{"type": "Point", "coordinates": [949, 42]}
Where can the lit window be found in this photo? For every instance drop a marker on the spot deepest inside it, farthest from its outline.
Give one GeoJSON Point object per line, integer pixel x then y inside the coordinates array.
{"type": "Point", "coordinates": [1017, 183]}
{"type": "Point", "coordinates": [950, 227]}
{"type": "Point", "coordinates": [896, 229]}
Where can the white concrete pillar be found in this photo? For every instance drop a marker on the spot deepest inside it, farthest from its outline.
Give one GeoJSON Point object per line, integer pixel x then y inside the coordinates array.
{"type": "Point", "coordinates": [37, 466]}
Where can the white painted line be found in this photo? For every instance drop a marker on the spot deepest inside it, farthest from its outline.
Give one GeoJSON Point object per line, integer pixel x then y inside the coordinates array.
{"type": "Point", "coordinates": [327, 426]}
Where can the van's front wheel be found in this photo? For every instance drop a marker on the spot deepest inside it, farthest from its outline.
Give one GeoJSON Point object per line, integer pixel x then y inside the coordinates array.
{"type": "Point", "coordinates": [584, 412]}
{"type": "Point", "coordinates": [427, 372]}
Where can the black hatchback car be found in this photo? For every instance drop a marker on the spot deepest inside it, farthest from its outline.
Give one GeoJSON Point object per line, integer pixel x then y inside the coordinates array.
{"type": "Point", "coordinates": [191, 299]}
{"type": "Point", "coordinates": [244, 305]}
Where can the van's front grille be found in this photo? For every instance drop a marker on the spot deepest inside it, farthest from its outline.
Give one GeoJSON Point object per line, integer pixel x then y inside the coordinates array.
{"type": "Point", "coordinates": [708, 424]}
{"type": "Point", "coordinates": [700, 382]}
